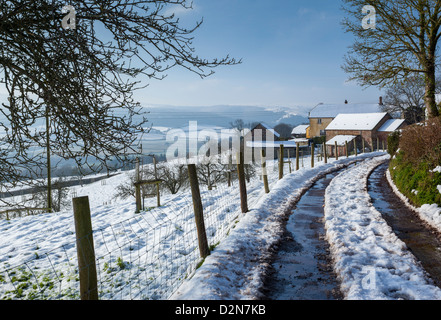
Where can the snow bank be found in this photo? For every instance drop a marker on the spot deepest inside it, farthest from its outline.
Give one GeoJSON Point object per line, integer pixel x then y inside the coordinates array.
{"type": "Point", "coordinates": [236, 268]}
{"type": "Point", "coordinates": [372, 263]}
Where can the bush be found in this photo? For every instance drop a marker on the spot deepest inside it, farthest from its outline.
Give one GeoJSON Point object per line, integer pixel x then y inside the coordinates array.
{"type": "Point", "coordinates": [393, 141]}
{"type": "Point", "coordinates": [418, 183]}
{"type": "Point", "coordinates": [319, 140]}
{"type": "Point", "coordinates": [421, 142]}
{"type": "Point", "coordinates": [412, 166]}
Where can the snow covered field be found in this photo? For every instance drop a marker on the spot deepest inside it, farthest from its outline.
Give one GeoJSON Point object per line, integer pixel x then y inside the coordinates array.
{"type": "Point", "coordinates": [154, 255]}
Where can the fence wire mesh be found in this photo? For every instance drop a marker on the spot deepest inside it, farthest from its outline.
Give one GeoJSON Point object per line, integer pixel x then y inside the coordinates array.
{"type": "Point", "coordinates": [147, 256]}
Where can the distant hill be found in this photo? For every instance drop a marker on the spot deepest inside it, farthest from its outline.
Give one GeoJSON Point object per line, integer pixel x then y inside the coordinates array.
{"type": "Point", "coordinates": [223, 115]}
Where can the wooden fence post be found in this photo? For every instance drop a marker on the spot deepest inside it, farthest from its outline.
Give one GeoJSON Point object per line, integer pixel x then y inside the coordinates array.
{"type": "Point", "coordinates": [312, 154]}
{"type": "Point", "coordinates": [264, 171]}
{"type": "Point", "coordinates": [242, 182]}
{"type": "Point", "coordinates": [297, 156]}
{"type": "Point", "coordinates": [137, 188]}
{"type": "Point", "coordinates": [336, 150]}
{"type": "Point", "coordinates": [378, 144]}
{"type": "Point", "coordinates": [230, 161]}
{"type": "Point", "coordinates": [158, 195]}
{"type": "Point", "coordinates": [281, 161]}
{"type": "Point", "coordinates": [346, 149]}
{"type": "Point", "coordinates": [325, 152]}
{"type": "Point", "coordinates": [363, 143]}
{"type": "Point", "coordinates": [85, 249]}
{"type": "Point", "coordinates": [198, 211]}
{"type": "Point", "coordinates": [318, 155]}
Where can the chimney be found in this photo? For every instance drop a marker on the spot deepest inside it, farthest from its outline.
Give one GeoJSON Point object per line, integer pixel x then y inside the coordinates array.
{"type": "Point", "coordinates": [381, 101]}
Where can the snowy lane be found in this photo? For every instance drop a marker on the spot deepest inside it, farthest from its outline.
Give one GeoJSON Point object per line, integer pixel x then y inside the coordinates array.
{"type": "Point", "coordinates": [238, 267]}
{"type": "Point", "coordinates": [371, 261]}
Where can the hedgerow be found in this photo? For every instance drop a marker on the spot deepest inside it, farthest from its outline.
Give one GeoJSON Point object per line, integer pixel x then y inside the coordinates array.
{"type": "Point", "coordinates": [413, 162]}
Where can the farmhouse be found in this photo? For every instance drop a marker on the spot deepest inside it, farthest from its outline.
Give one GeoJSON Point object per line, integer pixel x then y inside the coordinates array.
{"type": "Point", "coordinates": [264, 137]}
{"type": "Point", "coordinates": [262, 132]}
{"type": "Point", "coordinates": [301, 131]}
{"type": "Point", "coordinates": [323, 114]}
{"type": "Point", "coordinates": [361, 131]}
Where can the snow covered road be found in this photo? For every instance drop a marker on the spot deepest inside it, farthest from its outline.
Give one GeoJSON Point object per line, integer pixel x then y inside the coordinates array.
{"type": "Point", "coordinates": [371, 262]}
{"type": "Point", "coordinates": [237, 267]}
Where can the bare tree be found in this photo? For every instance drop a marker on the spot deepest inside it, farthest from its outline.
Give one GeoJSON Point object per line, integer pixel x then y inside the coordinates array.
{"type": "Point", "coordinates": [210, 171]}
{"type": "Point", "coordinates": [403, 42]}
{"type": "Point", "coordinates": [81, 81]}
{"type": "Point", "coordinates": [60, 196]}
{"type": "Point", "coordinates": [407, 99]}
{"type": "Point", "coordinates": [238, 125]}
{"type": "Point", "coordinates": [174, 177]}
{"type": "Point", "coordinates": [284, 130]}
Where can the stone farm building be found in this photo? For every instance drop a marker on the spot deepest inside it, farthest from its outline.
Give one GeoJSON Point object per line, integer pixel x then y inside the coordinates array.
{"type": "Point", "coordinates": [262, 132]}
{"type": "Point", "coordinates": [323, 114]}
{"type": "Point", "coordinates": [363, 130]}
{"type": "Point", "coordinates": [262, 136]}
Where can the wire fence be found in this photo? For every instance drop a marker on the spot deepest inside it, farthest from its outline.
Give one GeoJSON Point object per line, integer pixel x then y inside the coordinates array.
{"type": "Point", "coordinates": [147, 256]}
{"type": "Point", "coordinates": [144, 257]}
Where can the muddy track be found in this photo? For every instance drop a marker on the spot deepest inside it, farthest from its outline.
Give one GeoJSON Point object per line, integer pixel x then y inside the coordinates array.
{"type": "Point", "coordinates": [423, 241]}
{"type": "Point", "coordinates": [302, 268]}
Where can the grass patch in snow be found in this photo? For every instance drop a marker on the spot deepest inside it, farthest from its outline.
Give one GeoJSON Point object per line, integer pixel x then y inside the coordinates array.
{"type": "Point", "coordinates": [417, 181]}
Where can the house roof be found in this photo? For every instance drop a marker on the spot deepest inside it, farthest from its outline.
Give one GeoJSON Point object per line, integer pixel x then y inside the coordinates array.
{"type": "Point", "coordinates": [341, 140]}
{"type": "Point", "coordinates": [300, 129]}
{"type": "Point", "coordinates": [391, 125]}
{"type": "Point", "coordinates": [356, 121]}
{"type": "Point", "coordinates": [332, 110]}
{"type": "Point", "coordinates": [270, 129]}
{"type": "Point", "coordinates": [275, 144]}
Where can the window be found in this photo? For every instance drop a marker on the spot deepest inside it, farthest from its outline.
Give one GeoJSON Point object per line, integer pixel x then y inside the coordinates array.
{"type": "Point", "coordinates": [319, 121]}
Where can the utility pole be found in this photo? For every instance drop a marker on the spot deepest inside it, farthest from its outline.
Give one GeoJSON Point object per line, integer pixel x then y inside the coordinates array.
{"type": "Point", "coordinates": [48, 161]}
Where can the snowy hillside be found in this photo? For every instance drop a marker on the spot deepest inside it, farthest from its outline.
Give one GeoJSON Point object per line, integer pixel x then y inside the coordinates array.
{"type": "Point", "coordinates": [154, 255]}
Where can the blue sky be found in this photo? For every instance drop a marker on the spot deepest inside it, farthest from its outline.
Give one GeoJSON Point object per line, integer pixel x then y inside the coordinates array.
{"type": "Point", "coordinates": [292, 52]}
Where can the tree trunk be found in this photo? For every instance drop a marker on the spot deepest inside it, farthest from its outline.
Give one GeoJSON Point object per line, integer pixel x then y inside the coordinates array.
{"type": "Point", "coordinates": [430, 101]}
{"type": "Point", "coordinates": [48, 161]}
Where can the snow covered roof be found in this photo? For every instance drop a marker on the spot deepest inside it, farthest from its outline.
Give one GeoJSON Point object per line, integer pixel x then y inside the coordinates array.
{"type": "Point", "coordinates": [274, 144]}
{"type": "Point", "coordinates": [391, 125]}
{"type": "Point", "coordinates": [332, 110]}
{"type": "Point", "coordinates": [341, 140]}
{"type": "Point", "coordinates": [270, 129]}
{"type": "Point", "coordinates": [357, 121]}
{"type": "Point", "coordinates": [300, 129]}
